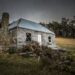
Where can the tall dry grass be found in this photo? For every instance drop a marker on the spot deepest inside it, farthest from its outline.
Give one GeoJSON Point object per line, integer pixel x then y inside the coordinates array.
{"type": "Point", "coordinates": [67, 43]}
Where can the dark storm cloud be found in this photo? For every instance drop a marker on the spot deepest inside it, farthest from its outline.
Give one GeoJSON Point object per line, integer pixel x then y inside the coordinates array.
{"type": "Point", "coordinates": [38, 10]}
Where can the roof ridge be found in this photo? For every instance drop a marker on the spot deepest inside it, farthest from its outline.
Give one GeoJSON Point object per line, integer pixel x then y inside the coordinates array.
{"type": "Point", "coordinates": [27, 20]}
{"type": "Point", "coordinates": [20, 19]}
{"type": "Point", "coordinates": [24, 23]}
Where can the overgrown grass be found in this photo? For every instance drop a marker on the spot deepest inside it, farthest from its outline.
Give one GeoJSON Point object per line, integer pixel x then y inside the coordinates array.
{"type": "Point", "coordinates": [52, 62]}
{"type": "Point", "coordinates": [17, 65]}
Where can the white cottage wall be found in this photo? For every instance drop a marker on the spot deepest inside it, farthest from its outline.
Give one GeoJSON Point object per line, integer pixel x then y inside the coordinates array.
{"type": "Point", "coordinates": [45, 39]}
{"type": "Point", "coordinates": [21, 37]}
{"type": "Point", "coordinates": [13, 34]}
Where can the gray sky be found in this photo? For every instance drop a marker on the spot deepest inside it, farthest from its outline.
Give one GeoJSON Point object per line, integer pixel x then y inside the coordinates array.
{"type": "Point", "coordinates": [38, 10]}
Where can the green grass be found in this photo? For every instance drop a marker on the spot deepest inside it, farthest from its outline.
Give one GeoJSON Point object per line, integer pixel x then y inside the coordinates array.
{"type": "Point", "coordinates": [16, 65]}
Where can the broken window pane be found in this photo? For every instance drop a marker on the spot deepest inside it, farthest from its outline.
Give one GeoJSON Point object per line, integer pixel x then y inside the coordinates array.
{"type": "Point", "coordinates": [49, 39]}
{"type": "Point", "coordinates": [28, 36]}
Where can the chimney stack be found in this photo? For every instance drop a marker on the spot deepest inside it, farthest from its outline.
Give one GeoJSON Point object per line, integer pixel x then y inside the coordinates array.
{"type": "Point", "coordinates": [5, 22]}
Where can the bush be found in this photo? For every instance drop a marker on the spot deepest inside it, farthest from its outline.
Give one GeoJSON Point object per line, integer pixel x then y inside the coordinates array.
{"type": "Point", "coordinates": [58, 60]}
{"type": "Point", "coordinates": [32, 47]}
{"type": "Point", "coordinates": [26, 48]}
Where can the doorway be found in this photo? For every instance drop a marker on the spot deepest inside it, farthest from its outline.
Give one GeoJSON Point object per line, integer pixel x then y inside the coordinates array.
{"type": "Point", "coordinates": [39, 39]}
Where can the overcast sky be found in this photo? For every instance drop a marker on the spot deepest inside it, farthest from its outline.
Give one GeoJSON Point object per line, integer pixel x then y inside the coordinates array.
{"type": "Point", "coordinates": [38, 10]}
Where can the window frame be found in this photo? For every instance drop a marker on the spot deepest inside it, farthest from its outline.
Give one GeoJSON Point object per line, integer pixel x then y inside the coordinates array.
{"type": "Point", "coordinates": [49, 38]}
{"type": "Point", "coordinates": [28, 37]}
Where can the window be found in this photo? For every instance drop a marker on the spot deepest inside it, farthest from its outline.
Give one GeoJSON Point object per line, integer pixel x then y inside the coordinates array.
{"type": "Point", "coordinates": [49, 39]}
{"type": "Point", "coordinates": [39, 39]}
{"type": "Point", "coordinates": [28, 36]}
{"type": "Point", "coordinates": [0, 25]}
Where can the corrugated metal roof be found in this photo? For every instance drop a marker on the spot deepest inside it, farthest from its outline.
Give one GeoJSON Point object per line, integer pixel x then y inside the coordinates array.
{"type": "Point", "coordinates": [23, 23]}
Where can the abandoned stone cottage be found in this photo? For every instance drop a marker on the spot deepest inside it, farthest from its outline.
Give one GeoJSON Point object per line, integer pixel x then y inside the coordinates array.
{"type": "Point", "coordinates": [24, 31]}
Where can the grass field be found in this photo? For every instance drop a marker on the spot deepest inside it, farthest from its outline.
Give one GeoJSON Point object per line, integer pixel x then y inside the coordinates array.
{"type": "Point", "coordinates": [17, 65]}
{"type": "Point", "coordinates": [66, 43]}
{"type": "Point", "coordinates": [12, 64]}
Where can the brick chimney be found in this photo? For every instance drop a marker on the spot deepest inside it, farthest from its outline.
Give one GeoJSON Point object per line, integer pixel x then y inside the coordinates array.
{"type": "Point", "coordinates": [5, 22]}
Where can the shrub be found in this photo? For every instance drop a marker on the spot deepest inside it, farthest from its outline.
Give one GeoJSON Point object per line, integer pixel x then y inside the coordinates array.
{"type": "Point", "coordinates": [32, 47]}
{"type": "Point", "coordinates": [26, 48]}
{"type": "Point", "coordinates": [61, 61]}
